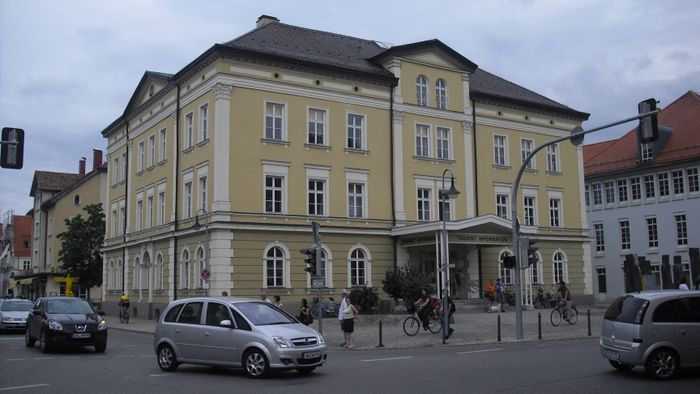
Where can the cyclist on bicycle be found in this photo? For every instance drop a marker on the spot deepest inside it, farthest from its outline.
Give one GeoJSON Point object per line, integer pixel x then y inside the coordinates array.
{"type": "Point", "coordinates": [564, 298]}
{"type": "Point", "coordinates": [424, 307]}
{"type": "Point", "coordinates": [124, 303]}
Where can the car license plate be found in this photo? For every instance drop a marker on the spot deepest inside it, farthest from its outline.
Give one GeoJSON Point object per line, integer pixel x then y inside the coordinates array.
{"type": "Point", "coordinates": [81, 335]}
{"type": "Point", "coordinates": [310, 355]}
{"type": "Point", "coordinates": [611, 355]}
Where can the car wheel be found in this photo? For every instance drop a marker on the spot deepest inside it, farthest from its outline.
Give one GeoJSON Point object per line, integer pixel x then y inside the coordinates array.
{"type": "Point", "coordinates": [255, 364]}
{"type": "Point", "coordinates": [44, 342]}
{"type": "Point", "coordinates": [100, 348]}
{"type": "Point", "coordinates": [28, 340]}
{"type": "Point", "coordinates": [662, 364]}
{"type": "Point", "coordinates": [166, 358]}
{"type": "Point", "coordinates": [621, 366]}
{"type": "Point", "coordinates": [305, 370]}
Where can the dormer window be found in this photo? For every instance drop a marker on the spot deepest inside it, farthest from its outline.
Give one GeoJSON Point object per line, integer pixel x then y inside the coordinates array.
{"type": "Point", "coordinates": [647, 152]}
{"type": "Point", "coordinates": [422, 90]}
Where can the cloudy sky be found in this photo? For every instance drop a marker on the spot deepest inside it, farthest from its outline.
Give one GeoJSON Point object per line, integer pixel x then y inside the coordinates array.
{"type": "Point", "coordinates": [68, 68]}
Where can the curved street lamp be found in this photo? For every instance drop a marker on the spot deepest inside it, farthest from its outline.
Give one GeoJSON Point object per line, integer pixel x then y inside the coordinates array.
{"type": "Point", "coordinates": [197, 226]}
{"type": "Point", "coordinates": [446, 194]}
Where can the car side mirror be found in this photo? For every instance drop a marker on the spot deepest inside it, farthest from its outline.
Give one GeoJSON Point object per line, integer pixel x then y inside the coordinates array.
{"type": "Point", "coordinates": [226, 323]}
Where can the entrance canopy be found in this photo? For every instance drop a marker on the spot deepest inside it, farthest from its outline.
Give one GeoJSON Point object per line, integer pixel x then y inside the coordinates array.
{"type": "Point", "coordinates": [483, 230]}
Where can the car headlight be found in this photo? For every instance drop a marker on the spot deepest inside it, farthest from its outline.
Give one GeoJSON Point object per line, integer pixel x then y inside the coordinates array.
{"type": "Point", "coordinates": [6, 318]}
{"type": "Point", "coordinates": [54, 325]}
{"type": "Point", "coordinates": [320, 339]}
{"type": "Point", "coordinates": [281, 342]}
{"type": "Point", "coordinates": [102, 325]}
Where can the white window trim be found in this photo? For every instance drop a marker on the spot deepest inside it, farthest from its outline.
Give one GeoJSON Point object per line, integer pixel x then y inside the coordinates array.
{"type": "Point", "coordinates": [438, 88]}
{"type": "Point", "coordinates": [200, 123]}
{"type": "Point", "coordinates": [564, 266]}
{"type": "Point", "coordinates": [358, 176]}
{"type": "Point", "coordinates": [285, 117]}
{"type": "Point", "coordinates": [319, 174]}
{"type": "Point", "coordinates": [428, 137]}
{"type": "Point", "coordinates": [326, 122]}
{"type": "Point", "coordinates": [533, 162]}
{"type": "Point", "coordinates": [188, 178]}
{"type": "Point", "coordinates": [163, 144]}
{"type": "Point", "coordinates": [286, 276]}
{"type": "Point", "coordinates": [529, 192]}
{"type": "Point", "coordinates": [280, 170]}
{"type": "Point", "coordinates": [364, 128]}
{"type": "Point", "coordinates": [152, 150]}
{"type": "Point", "coordinates": [506, 161]}
{"type": "Point", "coordinates": [368, 265]}
{"type": "Point", "coordinates": [555, 194]}
{"type": "Point", "coordinates": [450, 145]}
{"type": "Point", "coordinates": [141, 156]}
{"type": "Point", "coordinates": [188, 131]}
{"type": "Point", "coordinates": [557, 158]}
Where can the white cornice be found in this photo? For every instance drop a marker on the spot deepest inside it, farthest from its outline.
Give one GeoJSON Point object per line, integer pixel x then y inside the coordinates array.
{"type": "Point", "coordinates": [431, 112]}
{"type": "Point", "coordinates": [518, 126]}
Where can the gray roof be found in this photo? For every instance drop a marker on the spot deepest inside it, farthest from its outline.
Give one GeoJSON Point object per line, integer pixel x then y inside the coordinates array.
{"type": "Point", "coordinates": [53, 181]}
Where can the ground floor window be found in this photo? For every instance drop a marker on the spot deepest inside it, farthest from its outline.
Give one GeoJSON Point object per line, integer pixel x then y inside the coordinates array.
{"type": "Point", "coordinates": [602, 280]}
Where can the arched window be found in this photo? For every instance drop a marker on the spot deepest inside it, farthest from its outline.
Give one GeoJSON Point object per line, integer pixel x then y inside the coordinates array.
{"type": "Point", "coordinates": [559, 268]}
{"type": "Point", "coordinates": [358, 268]}
{"type": "Point", "coordinates": [506, 273]}
{"type": "Point", "coordinates": [441, 93]}
{"type": "Point", "coordinates": [274, 267]}
{"type": "Point", "coordinates": [136, 272]}
{"type": "Point", "coordinates": [536, 271]}
{"type": "Point", "coordinates": [158, 275]}
{"type": "Point", "coordinates": [422, 90]}
{"type": "Point", "coordinates": [185, 269]}
{"type": "Point", "coordinates": [110, 275]}
{"type": "Point", "coordinates": [201, 264]}
{"type": "Point", "coordinates": [146, 272]}
{"type": "Point", "coordinates": [120, 275]}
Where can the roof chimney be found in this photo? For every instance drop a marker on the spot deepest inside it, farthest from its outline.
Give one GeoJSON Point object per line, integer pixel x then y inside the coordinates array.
{"type": "Point", "coordinates": [265, 19]}
{"type": "Point", "coordinates": [96, 159]}
{"type": "Point", "coordinates": [81, 166]}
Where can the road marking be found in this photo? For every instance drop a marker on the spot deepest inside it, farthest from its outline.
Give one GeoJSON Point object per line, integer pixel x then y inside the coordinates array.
{"type": "Point", "coordinates": [386, 359]}
{"type": "Point", "coordinates": [43, 358]}
{"type": "Point", "coordinates": [158, 375]}
{"type": "Point", "coordinates": [481, 351]}
{"type": "Point", "coordinates": [16, 359]}
{"type": "Point", "coordinates": [129, 356]}
{"type": "Point", "coordinates": [69, 357]}
{"type": "Point", "coordinates": [31, 386]}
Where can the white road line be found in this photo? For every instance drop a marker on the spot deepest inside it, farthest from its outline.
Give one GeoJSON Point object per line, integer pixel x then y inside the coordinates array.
{"type": "Point", "coordinates": [43, 358]}
{"type": "Point", "coordinates": [481, 351]}
{"type": "Point", "coordinates": [386, 359]}
{"type": "Point", "coordinates": [158, 375]}
{"type": "Point", "coordinates": [130, 356]}
{"type": "Point", "coordinates": [16, 359]}
{"type": "Point", "coordinates": [31, 386]}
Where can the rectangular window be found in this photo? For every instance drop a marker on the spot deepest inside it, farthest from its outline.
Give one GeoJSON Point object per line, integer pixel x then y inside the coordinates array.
{"type": "Point", "coordinates": [602, 281]}
{"type": "Point", "coordinates": [423, 204]}
{"type": "Point", "coordinates": [693, 180]}
{"type": "Point", "coordinates": [499, 150]}
{"type": "Point", "coordinates": [599, 237]}
{"type": "Point", "coordinates": [622, 190]}
{"type": "Point", "coordinates": [652, 233]}
{"type": "Point", "coordinates": [422, 148]}
{"type": "Point", "coordinates": [122, 220]}
{"type": "Point", "coordinates": [163, 144]}
{"type": "Point", "coordinates": [274, 121]}
{"type": "Point", "coordinates": [203, 192]}
{"type": "Point", "coordinates": [139, 215]}
{"type": "Point", "coordinates": [355, 130]}
{"type": "Point", "coordinates": [535, 274]}
{"type": "Point", "coordinates": [115, 171]}
{"type": "Point", "coordinates": [678, 186]}
{"type": "Point", "coordinates": [355, 199]}
{"type": "Point", "coordinates": [189, 130]}
{"type": "Point", "coordinates": [149, 211]}
{"type": "Point", "coordinates": [502, 205]}
{"type": "Point", "coordinates": [114, 222]}
{"type": "Point", "coordinates": [317, 126]}
{"type": "Point", "coordinates": [161, 207]}
{"type": "Point", "coordinates": [529, 206]}
{"type": "Point", "coordinates": [188, 200]}
{"type": "Point", "coordinates": [597, 194]}
{"type": "Point", "coordinates": [625, 241]}
{"type": "Point", "coordinates": [663, 184]}
{"type": "Point", "coordinates": [649, 186]}
{"type": "Point", "coordinates": [443, 143]}
{"type": "Point", "coordinates": [553, 158]}
{"type": "Point", "coordinates": [609, 192]}
{"type": "Point", "coordinates": [681, 230]}
{"type": "Point", "coordinates": [273, 193]}
{"type": "Point", "coordinates": [636, 186]}
{"type": "Point", "coordinates": [152, 151]}
{"type": "Point", "coordinates": [204, 122]}
{"type": "Point", "coordinates": [647, 152]}
{"type": "Point", "coordinates": [526, 147]}
{"type": "Point", "coordinates": [142, 158]}
{"type": "Point", "coordinates": [316, 194]}
{"type": "Point", "coordinates": [587, 193]}
{"type": "Point", "coordinates": [555, 212]}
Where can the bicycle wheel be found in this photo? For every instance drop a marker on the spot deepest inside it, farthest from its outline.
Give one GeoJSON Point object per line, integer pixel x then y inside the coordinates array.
{"type": "Point", "coordinates": [434, 324]}
{"type": "Point", "coordinates": [555, 317]}
{"type": "Point", "coordinates": [122, 318]}
{"type": "Point", "coordinates": [411, 326]}
{"type": "Point", "coordinates": [314, 311]}
{"type": "Point", "coordinates": [572, 315]}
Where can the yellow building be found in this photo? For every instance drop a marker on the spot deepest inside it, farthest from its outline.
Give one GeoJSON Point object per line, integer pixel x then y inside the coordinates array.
{"type": "Point", "coordinates": [284, 126]}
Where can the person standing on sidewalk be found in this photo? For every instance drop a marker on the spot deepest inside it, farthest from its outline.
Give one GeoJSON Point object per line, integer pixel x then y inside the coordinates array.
{"type": "Point", "coordinates": [501, 294]}
{"type": "Point", "coordinates": [349, 314]}
{"type": "Point", "coordinates": [341, 310]}
{"type": "Point", "coordinates": [490, 292]}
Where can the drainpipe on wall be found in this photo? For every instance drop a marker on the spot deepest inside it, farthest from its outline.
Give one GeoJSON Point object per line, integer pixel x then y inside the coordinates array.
{"type": "Point", "coordinates": [394, 240]}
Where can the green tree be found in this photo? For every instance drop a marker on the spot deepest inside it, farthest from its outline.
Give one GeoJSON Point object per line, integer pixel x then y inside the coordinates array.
{"type": "Point", "coordinates": [80, 247]}
{"type": "Point", "coordinates": [406, 284]}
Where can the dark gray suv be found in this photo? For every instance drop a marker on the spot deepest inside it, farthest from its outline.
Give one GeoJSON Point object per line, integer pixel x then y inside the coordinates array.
{"type": "Point", "coordinates": [657, 329]}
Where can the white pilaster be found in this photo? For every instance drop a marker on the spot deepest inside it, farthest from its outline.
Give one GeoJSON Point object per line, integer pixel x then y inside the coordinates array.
{"type": "Point", "coordinates": [220, 261]}
{"type": "Point", "coordinates": [399, 207]}
{"type": "Point", "coordinates": [469, 175]}
{"type": "Point", "coordinates": [222, 132]}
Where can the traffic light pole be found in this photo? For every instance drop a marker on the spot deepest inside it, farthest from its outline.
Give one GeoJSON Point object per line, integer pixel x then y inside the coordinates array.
{"type": "Point", "coordinates": [576, 134]}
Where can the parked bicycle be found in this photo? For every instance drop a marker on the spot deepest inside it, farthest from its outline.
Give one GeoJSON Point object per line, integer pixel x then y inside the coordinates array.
{"type": "Point", "coordinates": [330, 308]}
{"type": "Point", "coordinates": [561, 311]}
{"type": "Point", "coordinates": [413, 323]}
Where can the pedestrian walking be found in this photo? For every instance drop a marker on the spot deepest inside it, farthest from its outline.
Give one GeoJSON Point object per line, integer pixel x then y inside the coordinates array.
{"type": "Point", "coordinates": [349, 314]}
{"type": "Point", "coordinates": [278, 301]}
{"type": "Point", "coordinates": [305, 312]}
{"type": "Point", "coordinates": [264, 298]}
{"type": "Point", "coordinates": [341, 309]}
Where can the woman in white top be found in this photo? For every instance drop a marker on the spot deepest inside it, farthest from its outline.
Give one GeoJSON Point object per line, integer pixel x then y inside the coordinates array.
{"type": "Point", "coordinates": [349, 314]}
{"type": "Point", "coordinates": [684, 284]}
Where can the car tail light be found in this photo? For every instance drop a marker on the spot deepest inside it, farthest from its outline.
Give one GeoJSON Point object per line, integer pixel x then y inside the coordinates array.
{"type": "Point", "coordinates": [640, 313]}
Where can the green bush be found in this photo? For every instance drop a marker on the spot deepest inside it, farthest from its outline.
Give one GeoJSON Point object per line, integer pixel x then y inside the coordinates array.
{"type": "Point", "coordinates": [406, 284]}
{"type": "Point", "coordinates": [365, 299]}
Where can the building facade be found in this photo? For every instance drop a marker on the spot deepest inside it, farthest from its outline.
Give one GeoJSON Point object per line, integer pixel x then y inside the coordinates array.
{"type": "Point", "coordinates": [284, 126]}
{"type": "Point", "coordinates": [641, 200]}
{"type": "Point", "coordinates": [15, 251]}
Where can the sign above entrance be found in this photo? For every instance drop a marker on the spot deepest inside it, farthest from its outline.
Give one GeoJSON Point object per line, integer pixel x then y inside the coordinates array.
{"type": "Point", "coordinates": [491, 239]}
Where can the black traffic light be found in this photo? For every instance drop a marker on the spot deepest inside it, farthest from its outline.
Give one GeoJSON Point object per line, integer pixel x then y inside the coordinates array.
{"type": "Point", "coordinates": [12, 149]}
{"type": "Point", "coordinates": [310, 260]}
{"type": "Point", "coordinates": [509, 262]}
{"type": "Point", "coordinates": [648, 128]}
{"type": "Point", "coordinates": [532, 252]}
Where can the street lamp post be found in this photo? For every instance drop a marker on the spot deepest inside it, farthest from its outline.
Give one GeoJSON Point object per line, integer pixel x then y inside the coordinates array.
{"type": "Point", "coordinates": [452, 193]}
{"type": "Point", "coordinates": [204, 276]}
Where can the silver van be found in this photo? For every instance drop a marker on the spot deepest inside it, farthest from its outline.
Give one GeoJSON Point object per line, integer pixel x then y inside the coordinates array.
{"type": "Point", "coordinates": [657, 329]}
{"type": "Point", "coordinates": [235, 332]}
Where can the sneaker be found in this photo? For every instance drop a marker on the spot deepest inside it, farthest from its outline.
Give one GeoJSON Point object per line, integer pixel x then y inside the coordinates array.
{"type": "Point", "coordinates": [346, 346]}
{"type": "Point", "coordinates": [350, 347]}
{"type": "Point", "coordinates": [342, 344]}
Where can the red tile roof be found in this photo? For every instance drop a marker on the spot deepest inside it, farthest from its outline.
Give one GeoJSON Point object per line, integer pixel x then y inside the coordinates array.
{"type": "Point", "coordinates": [683, 115]}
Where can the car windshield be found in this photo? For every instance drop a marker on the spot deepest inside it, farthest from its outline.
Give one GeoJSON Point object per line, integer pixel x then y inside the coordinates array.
{"type": "Point", "coordinates": [74, 306]}
{"type": "Point", "coordinates": [263, 313]}
{"type": "Point", "coordinates": [16, 306]}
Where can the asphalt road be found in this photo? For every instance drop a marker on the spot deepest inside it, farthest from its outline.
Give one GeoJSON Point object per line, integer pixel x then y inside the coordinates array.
{"type": "Point", "coordinates": [128, 365]}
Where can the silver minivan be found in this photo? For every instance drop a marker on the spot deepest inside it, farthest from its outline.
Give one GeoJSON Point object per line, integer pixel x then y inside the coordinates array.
{"type": "Point", "coordinates": [228, 331]}
{"type": "Point", "coordinates": [657, 329]}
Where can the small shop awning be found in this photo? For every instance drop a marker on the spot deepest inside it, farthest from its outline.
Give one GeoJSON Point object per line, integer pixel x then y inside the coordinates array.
{"type": "Point", "coordinates": [25, 281]}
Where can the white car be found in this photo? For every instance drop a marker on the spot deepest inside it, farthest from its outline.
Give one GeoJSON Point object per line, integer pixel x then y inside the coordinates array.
{"type": "Point", "coordinates": [227, 331]}
{"type": "Point", "coordinates": [13, 313]}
